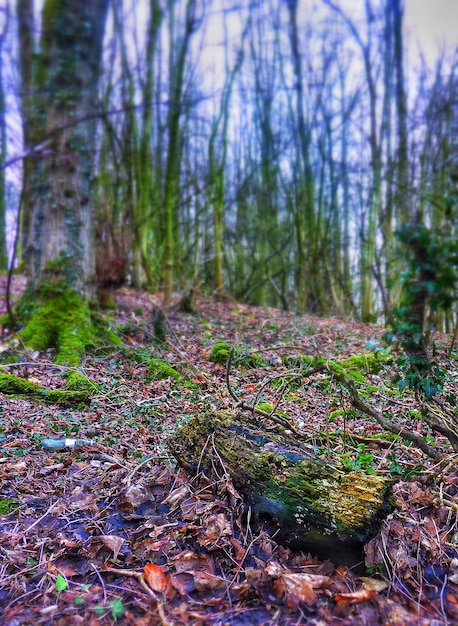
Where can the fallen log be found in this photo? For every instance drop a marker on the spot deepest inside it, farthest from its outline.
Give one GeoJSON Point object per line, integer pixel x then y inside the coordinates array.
{"type": "Point", "coordinates": [306, 502]}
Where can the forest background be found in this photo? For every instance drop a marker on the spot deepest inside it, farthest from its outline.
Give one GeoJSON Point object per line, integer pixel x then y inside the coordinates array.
{"type": "Point", "coordinates": [269, 150]}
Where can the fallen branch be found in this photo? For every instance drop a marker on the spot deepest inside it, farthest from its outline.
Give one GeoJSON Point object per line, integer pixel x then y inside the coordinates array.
{"type": "Point", "coordinates": [317, 366]}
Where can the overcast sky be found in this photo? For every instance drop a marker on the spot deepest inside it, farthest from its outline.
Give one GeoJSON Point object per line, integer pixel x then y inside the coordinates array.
{"type": "Point", "coordinates": [431, 23]}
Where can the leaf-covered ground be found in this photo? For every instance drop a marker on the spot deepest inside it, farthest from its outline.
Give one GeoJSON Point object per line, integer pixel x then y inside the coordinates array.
{"type": "Point", "coordinates": [111, 531]}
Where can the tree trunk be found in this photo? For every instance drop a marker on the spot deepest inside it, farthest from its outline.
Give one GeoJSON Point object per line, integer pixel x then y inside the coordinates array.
{"type": "Point", "coordinates": [177, 74]}
{"type": "Point", "coordinates": [59, 249]}
{"type": "Point", "coordinates": [3, 251]}
{"type": "Point", "coordinates": [306, 502]}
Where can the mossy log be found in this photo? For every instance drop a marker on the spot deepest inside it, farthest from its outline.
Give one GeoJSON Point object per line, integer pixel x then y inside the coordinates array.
{"type": "Point", "coordinates": [308, 503]}
{"type": "Point", "coordinates": [13, 385]}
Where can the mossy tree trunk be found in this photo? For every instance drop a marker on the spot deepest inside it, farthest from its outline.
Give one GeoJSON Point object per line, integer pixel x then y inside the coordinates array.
{"type": "Point", "coordinates": [3, 252]}
{"type": "Point", "coordinates": [60, 114]}
{"type": "Point", "coordinates": [217, 161]}
{"type": "Point", "coordinates": [177, 61]}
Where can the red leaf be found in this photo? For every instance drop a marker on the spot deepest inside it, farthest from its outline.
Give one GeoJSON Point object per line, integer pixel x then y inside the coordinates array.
{"type": "Point", "coordinates": [157, 579]}
{"type": "Point", "coordinates": [356, 596]}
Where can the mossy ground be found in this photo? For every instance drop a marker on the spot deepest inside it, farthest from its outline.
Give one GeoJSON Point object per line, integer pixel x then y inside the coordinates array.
{"type": "Point", "coordinates": [132, 419]}
{"type": "Point", "coordinates": [221, 351]}
{"type": "Point", "coordinates": [61, 320]}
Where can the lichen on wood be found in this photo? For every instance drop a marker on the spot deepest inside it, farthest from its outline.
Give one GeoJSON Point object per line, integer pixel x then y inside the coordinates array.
{"type": "Point", "coordinates": [304, 498]}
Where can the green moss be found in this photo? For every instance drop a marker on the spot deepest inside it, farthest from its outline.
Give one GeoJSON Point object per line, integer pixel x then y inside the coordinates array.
{"type": "Point", "coordinates": [354, 365]}
{"type": "Point", "coordinates": [266, 407]}
{"type": "Point", "coordinates": [250, 360]}
{"type": "Point", "coordinates": [6, 321]}
{"type": "Point", "coordinates": [302, 361]}
{"type": "Point", "coordinates": [61, 320]}
{"type": "Point", "coordinates": [370, 362]}
{"type": "Point", "coordinates": [333, 415]}
{"type": "Point", "coordinates": [54, 316]}
{"type": "Point", "coordinates": [13, 385]}
{"type": "Point", "coordinates": [220, 353]}
{"type": "Point", "coordinates": [161, 370]}
{"type": "Point", "coordinates": [8, 506]}
{"type": "Point", "coordinates": [75, 381]}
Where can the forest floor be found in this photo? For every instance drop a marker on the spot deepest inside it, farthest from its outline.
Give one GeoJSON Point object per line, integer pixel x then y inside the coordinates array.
{"type": "Point", "coordinates": [112, 532]}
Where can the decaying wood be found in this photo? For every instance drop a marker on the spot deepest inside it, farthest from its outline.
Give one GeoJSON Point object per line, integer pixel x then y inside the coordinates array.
{"type": "Point", "coordinates": [307, 502]}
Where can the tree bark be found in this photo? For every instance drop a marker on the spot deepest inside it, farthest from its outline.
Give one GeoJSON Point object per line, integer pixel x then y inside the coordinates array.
{"type": "Point", "coordinates": [3, 139]}
{"type": "Point", "coordinates": [172, 255]}
{"type": "Point", "coordinates": [60, 115]}
{"type": "Point", "coordinates": [64, 96]}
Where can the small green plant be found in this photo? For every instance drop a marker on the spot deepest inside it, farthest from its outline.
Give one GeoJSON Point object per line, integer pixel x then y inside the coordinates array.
{"type": "Point", "coordinates": [61, 583]}
{"type": "Point", "coordinates": [8, 506]}
{"type": "Point", "coordinates": [117, 609]}
{"type": "Point", "coordinates": [428, 286]}
{"type": "Point", "coordinates": [362, 461]}
{"type": "Point", "coordinates": [404, 472]}
{"type": "Point", "coordinates": [395, 468]}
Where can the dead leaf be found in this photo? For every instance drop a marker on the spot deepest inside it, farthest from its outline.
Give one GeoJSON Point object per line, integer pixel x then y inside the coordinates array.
{"type": "Point", "coordinates": [217, 526]}
{"type": "Point", "coordinates": [183, 583]}
{"type": "Point", "coordinates": [81, 500]}
{"type": "Point", "coordinates": [240, 550]}
{"type": "Point", "coordinates": [19, 467]}
{"type": "Point", "coordinates": [295, 586]}
{"type": "Point", "coordinates": [176, 496]}
{"type": "Point", "coordinates": [157, 579]}
{"type": "Point", "coordinates": [298, 587]}
{"type": "Point", "coordinates": [373, 584]}
{"type": "Point", "coordinates": [113, 543]}
{"type": "Point", "coordinates": [206, 581]}
{"type": "Point", "coordinates": [190, 562]}
{"type": "Point", "coordinates": [362, 595]}
{"type": "Point", "coordinates": [70, 566]}
{"type": "Point", "coordinates": [232, 490]}
{"type": "Point", "coordinates": [274, 569]}
{"type": "Point", "coordinates": [48, 469]}
{"type": "Point", "coordinates": [132, 497]}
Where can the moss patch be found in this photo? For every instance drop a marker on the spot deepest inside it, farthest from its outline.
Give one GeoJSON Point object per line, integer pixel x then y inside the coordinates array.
{"type": "Point", "coordinates": [60, 318]}
{"type": "Point", "coordinates": [354, 366]}
{"type": "Point", "coordinates": [221, 351]}
{"type": "Point", "coordinates": [162, 370]}
{"type": "Point", "coordinates": [12, 385]}
{"type": "Point", "coordinates": [78, 382]}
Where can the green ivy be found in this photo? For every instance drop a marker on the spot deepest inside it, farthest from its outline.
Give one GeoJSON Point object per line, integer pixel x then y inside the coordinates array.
{"type": "Point", "coordinates": [428, 286]}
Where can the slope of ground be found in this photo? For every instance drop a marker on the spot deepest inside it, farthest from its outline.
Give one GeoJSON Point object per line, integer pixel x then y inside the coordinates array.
{"type": "Point", "coordinates": [110, 531]}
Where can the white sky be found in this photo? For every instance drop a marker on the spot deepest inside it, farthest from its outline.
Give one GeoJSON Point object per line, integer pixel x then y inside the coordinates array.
{"type": "Point", "coordinates": [431, 24]}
